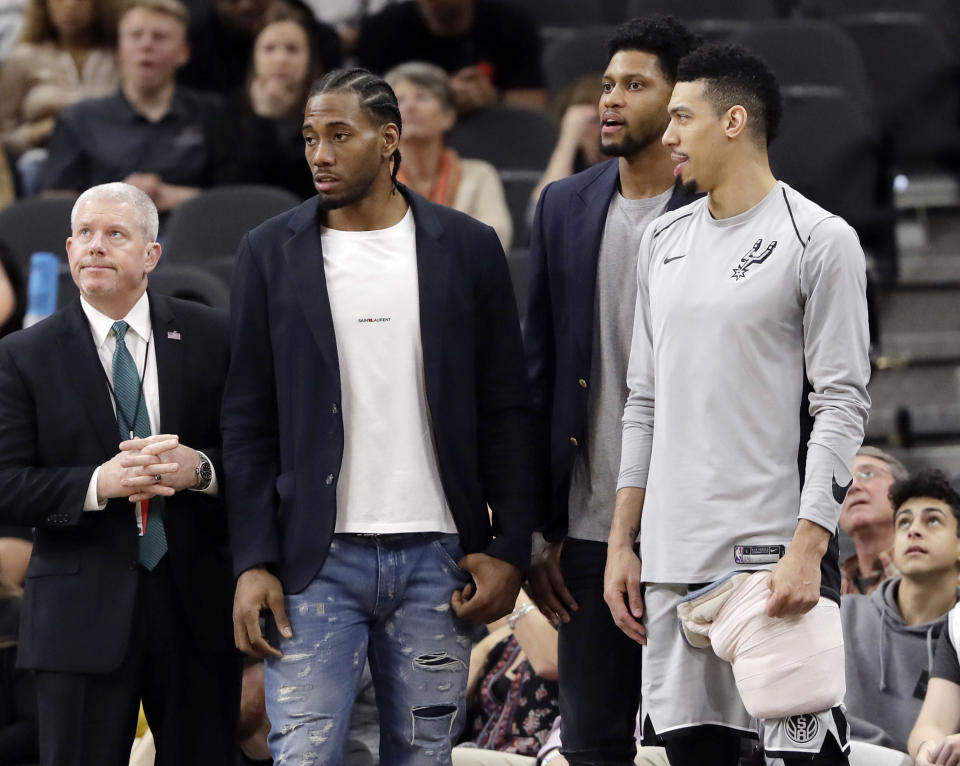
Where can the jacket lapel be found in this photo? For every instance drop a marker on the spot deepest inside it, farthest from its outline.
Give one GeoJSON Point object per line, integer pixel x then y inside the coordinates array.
{"type": "Point", "coordinates": [83, 367]}
{"type": "Point", "coordinates": [304, 256]}
{"type": "Point", "coordinates": [586, 218]}
{"type": "Point", "coordinates": [169, 351]}
{"type": "Point", "coordinates": [432, 273]}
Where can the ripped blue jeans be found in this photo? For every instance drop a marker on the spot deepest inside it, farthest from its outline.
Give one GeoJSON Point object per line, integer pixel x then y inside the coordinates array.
{"type": "Point", "coordinates": [386, 597]}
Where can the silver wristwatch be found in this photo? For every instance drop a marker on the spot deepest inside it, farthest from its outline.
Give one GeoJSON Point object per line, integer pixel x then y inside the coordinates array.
{"type": "Point", "coordinates": [204, 473]}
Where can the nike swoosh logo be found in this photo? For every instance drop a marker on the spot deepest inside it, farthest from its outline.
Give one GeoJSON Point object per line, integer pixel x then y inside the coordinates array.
{"type": "Point", "coordinates": [667, 260]}
{"type": "Point", "coordinates": [839, 492]}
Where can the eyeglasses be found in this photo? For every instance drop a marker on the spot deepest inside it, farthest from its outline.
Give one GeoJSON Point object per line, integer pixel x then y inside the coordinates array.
{"type": "Point", "coordinates": [866, 475]}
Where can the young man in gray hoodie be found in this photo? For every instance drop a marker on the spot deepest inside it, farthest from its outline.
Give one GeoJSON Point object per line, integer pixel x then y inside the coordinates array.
{"type": "Point", "coordinates": [889, 636]}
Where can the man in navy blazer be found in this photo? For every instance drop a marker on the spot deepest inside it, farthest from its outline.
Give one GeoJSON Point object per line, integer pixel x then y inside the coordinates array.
{"type": "Point", "coordinates": [376, 404]}
{"type": "Point", "coordinates": [584, 248]}
{"type": "Point", "coordinates": [106, 621]}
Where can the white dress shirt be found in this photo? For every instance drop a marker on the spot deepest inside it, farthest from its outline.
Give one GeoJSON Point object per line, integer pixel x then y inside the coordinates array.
{"type": "Point", "coordinates": [139, 341]}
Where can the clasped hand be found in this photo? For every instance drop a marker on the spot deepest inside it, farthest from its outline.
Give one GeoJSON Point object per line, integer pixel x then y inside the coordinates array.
{"type": "Point", "coordinates": [148, 467]}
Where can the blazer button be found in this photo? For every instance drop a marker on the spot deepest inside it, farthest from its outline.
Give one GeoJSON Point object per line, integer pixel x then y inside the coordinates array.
{"type": "Point", "coordinates": [329, 479]}
{"type": "Point", "coordinates": [132, 566]}
{"type": "Point", "coordinates": [574, 442]}
{"type": "Point", "coordinates": [334, 408]}
{"type": "Point", "coordinates": [582, 382]}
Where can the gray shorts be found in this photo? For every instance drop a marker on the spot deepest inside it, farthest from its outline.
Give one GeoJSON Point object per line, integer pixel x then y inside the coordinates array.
{"type": "Point", "coordinates": [686, 688]}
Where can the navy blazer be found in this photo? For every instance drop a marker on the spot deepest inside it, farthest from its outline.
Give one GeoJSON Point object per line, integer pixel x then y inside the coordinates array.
{"type": "Point", "coordinates": [282, 425]}
{"type": "Point", "coordinates": [57, 425]}
{"type": "Point", "coordinates": [558, 330]}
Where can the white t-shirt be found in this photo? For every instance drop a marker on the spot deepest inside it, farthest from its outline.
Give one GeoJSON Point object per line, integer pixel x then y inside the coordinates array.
{"type": "Point", "coordinates": [730, 316]}
{"type": "Point", "coordinates": [389, 478]}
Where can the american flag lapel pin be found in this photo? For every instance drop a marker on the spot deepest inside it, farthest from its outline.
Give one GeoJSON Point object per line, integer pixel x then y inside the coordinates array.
{"type": "Point", "coordinates": [173, 335]}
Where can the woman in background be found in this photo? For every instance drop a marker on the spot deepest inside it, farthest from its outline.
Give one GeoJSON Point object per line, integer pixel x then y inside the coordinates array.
{"type": "Point", "coordinates": [578, 144]}
{"type": "Point", "coordinates": [258, 138]}
{"type": "Point", "coordinates": [427, 107]}
{"type": "Point", "coordinates": [65, 54]}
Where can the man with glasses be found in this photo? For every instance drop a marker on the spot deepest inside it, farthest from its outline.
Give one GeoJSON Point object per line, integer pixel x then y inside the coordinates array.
{"type": "Point", "coordinates": [867, 518]}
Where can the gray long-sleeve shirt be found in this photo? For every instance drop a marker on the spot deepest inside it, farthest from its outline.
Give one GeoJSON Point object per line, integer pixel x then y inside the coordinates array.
{"type": "Point", "coordinates": [729, 314]}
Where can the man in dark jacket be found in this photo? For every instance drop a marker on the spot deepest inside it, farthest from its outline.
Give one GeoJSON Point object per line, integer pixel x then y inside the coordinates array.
{"type": "Point", "coordinates": [376, 405]}
{"type": "Point", "coordinates": [586, 238]}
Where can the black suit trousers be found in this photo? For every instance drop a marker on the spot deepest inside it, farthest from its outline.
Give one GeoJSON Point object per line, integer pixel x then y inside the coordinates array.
{"type": "Point", "coordinates": [190, 694]}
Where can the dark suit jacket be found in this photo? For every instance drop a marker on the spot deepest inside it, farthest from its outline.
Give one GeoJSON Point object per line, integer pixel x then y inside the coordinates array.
{"type": "Point", "coordinates": [282, 426]}
{"type": "Point", "coordinates": [56, 425]}
{"type": "Point", "coordinates": [558, 332]}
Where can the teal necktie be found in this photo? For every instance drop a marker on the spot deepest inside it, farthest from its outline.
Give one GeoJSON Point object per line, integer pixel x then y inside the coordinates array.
{"type": "Point", "coordinates": [132, 418]}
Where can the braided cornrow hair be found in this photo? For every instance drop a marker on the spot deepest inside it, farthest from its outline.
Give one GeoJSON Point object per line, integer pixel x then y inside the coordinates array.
{"type": "Point", "coordinates": [376, 97]}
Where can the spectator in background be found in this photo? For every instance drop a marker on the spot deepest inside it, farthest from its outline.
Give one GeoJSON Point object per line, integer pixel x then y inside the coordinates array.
{"type": "Point", "coordinates": [867, 518]}
{"type": "Point", "coordinates": [11, 22]}
{"type": "Point", "coordinates": [8, 190]}
{"type": "Point", "coordinates": [512, 688]}
{"type": "Point", "coordinates": [345, 16]}
{"type": "Point", "coordinates": [65, 54]}
{"type": "Point", "coordinates": [18, 693]}
{"type": "Point", "coordinates": [935, 738]}
{"type": "Point", "coordinates": [16, 545]}
{"type": "Point", "coordinates": [578, 145]}
{"type": "Point", "coordinates": [889, 636]}
{"type": "Point", "coordinates": [257, 138]}
{"type": "Point", "coordinates": [8, 297]}
{"type": "Point", "coordinates": [428, 111]}
{"type": "Point", "coordinates": [152, 132]}
{"type": "Point", "coordinates": [223, 41]}
{"type": "Point", "coordinates": [491, 50]}
{"type": "Point", "coordinates": [12, 292]}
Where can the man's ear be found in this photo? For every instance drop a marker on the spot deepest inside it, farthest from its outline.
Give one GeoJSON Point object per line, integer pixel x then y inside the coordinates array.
{"type": "Point", "coordinates": [735, 121]}
{"type": "Point", "coordinates": [153, 257]}
{"type": "Point", "coordinates": [390, 136]}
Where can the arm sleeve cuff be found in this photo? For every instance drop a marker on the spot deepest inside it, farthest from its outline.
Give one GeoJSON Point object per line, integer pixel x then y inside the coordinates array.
{"type": "Point", "coordinates": [90, 501]}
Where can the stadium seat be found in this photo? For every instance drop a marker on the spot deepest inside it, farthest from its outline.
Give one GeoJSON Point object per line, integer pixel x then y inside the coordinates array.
{"type": "Point", "coordinates": [810, 52]}
{"type": "Point", "coordinates": [575, 53]}
{"type": "Point", "coordinates": [714, 21]}
{"type": "Point", "coordinates": [518, 185]}
{"type": "Point", "coordinates": [190, 283]}
{"type": "Point", "coordinates": [943, 14]}
{"type": "Point", "coordinates": [212, 224]}
{"type": "Point", "coordinates": [828, 149]}
{"type": "Point", "coordinates": [36, 224]}
{"type": "Point", "coordinates": [913, 70]}
{"type": "Point", "coordinates": [747, 10]}
{"type": "Point", "coordinates": [507, 137]}
{"type": "Point", "coordinates": [687, 10]}
{"type": "Point", "coordinates": [560, 13]}
{"type": "Point", "coordinates": [221, 267]}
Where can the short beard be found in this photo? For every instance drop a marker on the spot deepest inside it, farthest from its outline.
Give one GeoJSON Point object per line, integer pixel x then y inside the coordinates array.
{"type": "Point", "coordinates": [630, 146]}
{"type": "Point", "coordinates": [349, 197]}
